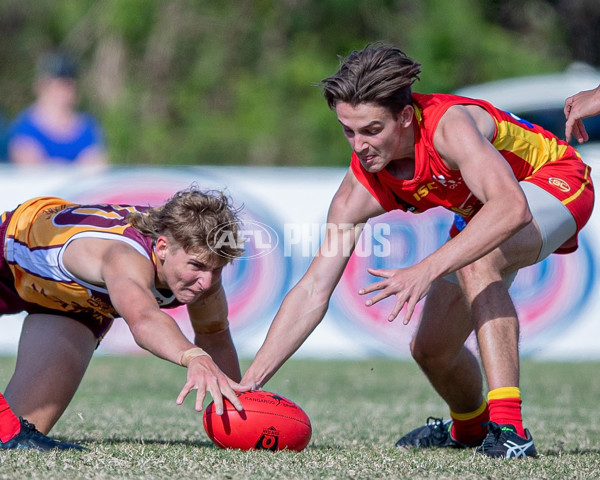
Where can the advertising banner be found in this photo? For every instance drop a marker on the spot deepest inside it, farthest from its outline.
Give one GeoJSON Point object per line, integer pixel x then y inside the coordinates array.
{"type": "Point", "coordinates": [284, 217]}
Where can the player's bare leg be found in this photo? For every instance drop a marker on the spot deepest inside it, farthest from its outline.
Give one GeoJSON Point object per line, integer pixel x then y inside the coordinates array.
{"type": "Point", "coordinates": [481, 302]}
{"type": "Point", "coordinates": [492, 310]}
{"type": "Point", "coordinates": [497, 328]}
{"type": "Point", "coordinates": [438, 347]}
{"type": "Point", "coordinates": [448, 318]}
{"type": "Point", "coordinates": [53, 355]}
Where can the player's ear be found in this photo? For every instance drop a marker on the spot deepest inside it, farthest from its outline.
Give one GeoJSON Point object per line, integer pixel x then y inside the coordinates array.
{"type": "Point", "coordinates": [161, 246]}
{"type": "Point", "coordinates": [406, 115]}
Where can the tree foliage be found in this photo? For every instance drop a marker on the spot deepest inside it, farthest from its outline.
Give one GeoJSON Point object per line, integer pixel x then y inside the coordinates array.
{"type": "Point", "coordinates": [231, 81]}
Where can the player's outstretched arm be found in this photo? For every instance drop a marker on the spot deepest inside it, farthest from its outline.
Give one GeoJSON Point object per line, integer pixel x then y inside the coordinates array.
{"type": "Point", "coordinates": [209, 319]}
{"type": "Point", "coordinates": [208, 316]}
{"type": "Point", "coordinates": [306, 304]}
{"type": "Point", "coordinates": [129, 278]}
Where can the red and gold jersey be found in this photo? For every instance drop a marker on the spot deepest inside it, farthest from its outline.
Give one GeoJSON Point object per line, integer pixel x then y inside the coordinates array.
{"type": "Point", "coordinates": [534, 155]}
{"type": "Point", "coordinates": [37, 234]}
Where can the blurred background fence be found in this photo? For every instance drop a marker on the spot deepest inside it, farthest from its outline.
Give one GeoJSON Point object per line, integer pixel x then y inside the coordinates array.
{"type": "Point", "coordinates": [188, 82]}
{"type": "Point", "coordinates": [284, 215]}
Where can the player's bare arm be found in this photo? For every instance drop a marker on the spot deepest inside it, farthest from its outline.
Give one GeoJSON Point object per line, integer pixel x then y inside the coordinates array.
{"type": "Point", "coordinates": [128, 276]}
{"type": "Point", "coordinates": [209, 318]}
{"type": "Point", "coordinates": [208, 315]}
{"type": "Point", "coordinates": [489, 177]}
{"type": "Point", "coordinates": [306, 304]}
{"type": "Point", "coordinates": [463, 140]}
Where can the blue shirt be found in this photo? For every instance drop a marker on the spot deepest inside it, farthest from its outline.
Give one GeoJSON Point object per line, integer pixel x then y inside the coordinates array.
{"type": "Point", "coordinates": [88, 133]}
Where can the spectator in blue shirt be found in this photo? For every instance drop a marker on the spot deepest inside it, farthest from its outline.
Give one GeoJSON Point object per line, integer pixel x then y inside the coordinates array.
{"type": "Point", "coordinates": [52, 130]}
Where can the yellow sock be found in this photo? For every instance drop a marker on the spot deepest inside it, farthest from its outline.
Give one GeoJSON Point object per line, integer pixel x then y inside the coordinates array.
{"type": "Point", "coordinates": [505, 408]}
{"type": "Point", "coordinates": [504, 392]}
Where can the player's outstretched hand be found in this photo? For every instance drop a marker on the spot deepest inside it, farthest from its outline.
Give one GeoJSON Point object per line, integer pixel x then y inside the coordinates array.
{"type": "Point", "coordinates": [409, 285]}
{"type": "Point", "coordinates": [205, 376]}
{"type": "Point", "coordinates": [582, 105]}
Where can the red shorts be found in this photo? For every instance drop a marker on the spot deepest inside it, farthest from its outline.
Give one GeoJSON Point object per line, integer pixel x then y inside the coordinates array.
{"type": "Point", "coordinates": [569, 180]}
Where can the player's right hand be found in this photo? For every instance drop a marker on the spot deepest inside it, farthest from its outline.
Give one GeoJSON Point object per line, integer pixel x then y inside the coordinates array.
{"type": "Point", "coordinates": [205, 376]}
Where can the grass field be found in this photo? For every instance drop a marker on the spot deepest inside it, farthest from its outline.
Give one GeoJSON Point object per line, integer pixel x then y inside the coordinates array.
{"type": "Point", "coordinates": [125, 414]}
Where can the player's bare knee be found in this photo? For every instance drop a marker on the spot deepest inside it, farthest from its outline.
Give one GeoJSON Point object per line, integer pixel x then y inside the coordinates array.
{"type": "Point", "coordinates": [484, 270]}
{"type": "Point", "coordinates": [428, 356]}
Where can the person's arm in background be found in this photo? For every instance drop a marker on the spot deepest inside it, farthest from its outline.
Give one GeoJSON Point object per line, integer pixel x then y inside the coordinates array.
{"type": "Point", "coordinates": [95, 153]}
{"type": "Point", "coordinates": [582, 105]}
{"type": "Point", "coordinates": [25, 151]}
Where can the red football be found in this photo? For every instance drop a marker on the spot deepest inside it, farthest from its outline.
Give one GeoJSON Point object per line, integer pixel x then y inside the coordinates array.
{"type": "Point", "coordinates": [268, 422]}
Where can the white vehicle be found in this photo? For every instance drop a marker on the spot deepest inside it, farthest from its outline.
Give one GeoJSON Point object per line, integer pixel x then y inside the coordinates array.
{"type": "Point", "coordinates": [540, 99]}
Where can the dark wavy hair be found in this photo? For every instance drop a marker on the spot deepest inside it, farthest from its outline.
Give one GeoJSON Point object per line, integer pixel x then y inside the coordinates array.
{"type": "Point", "coordinates": [379, 74]}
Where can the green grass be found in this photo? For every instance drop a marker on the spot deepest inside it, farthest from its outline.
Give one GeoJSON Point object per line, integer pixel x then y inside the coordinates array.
{"type": "Point", "coordinates": [125, 414]}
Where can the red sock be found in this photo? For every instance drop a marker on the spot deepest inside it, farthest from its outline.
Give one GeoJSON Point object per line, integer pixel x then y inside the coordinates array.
{"type": "Point", "coordinates": [468, 428]}
{"type": "Point", "coordinates": [507, 410]}
{"type": "Point", "coordinates": [9, 423]}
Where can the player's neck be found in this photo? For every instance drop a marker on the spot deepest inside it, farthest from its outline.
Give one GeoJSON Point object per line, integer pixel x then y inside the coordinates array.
{"type": "Point", "coordinates": [402, 168]}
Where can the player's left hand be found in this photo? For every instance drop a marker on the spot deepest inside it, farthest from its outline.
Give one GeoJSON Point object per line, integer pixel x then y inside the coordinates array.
{"type": "Point", "coordinates": [409, 285]}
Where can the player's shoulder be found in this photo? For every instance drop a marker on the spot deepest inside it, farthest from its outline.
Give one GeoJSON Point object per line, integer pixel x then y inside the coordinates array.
{"type": "Point", "coordinates": [460, 119]}
{"type": "Point", "coordinates": [121, 261]}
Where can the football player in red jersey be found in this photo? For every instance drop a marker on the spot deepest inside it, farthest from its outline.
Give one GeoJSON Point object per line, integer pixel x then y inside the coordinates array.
{"type": "Point", "coordinates": [518, 193]}
{"type": "Point", "coordinates": [74, 268]}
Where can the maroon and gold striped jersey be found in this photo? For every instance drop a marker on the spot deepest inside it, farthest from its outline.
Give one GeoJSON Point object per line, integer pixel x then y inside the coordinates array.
{"type": "Point", "coordinates": [37, 234]}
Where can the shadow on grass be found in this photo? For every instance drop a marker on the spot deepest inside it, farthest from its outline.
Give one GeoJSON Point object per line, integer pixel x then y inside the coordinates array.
{"type": "Point", "coordinates": [185, 443]}
{"type": "Point", "coordinates": [142, 441]}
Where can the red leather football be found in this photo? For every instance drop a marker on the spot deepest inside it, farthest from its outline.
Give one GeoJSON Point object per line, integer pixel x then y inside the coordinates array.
{"type": "Point", "coordinates": [268, 422]}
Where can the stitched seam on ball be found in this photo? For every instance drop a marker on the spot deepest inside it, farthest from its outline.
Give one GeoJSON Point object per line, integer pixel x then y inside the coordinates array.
{"type": "Point", "coordinates": [276, 415]}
